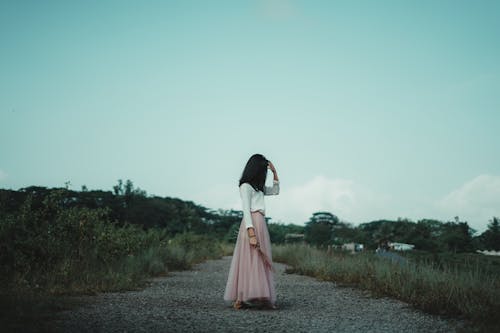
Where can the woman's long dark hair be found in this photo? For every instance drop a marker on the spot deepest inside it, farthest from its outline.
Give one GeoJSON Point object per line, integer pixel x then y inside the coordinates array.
{"type": "Point", "coordinates": [255, 172]}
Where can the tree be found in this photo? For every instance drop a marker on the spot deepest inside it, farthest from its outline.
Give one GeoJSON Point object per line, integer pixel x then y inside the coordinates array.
{"type": "Point", "coordinates": [318, 230]}
{"type": "Point", "coordinates": [491, 237]}
{"type": "Point", "coordinates": [423, 235]}
{"type": "Point", "coordinates": [129, 188]}
{"type": "Point", "coordinates": [344, 233]}
{"type": "Point", "coordinates": [318, 233]}
{"type": "Point", "coordinates": [457, 236]}
{"type": "Point", "coordinates": [118, 189]}
{"type": "Point", "coordinates": [278, 231]}
{"type": "Point", "coordinates": [385, 233]}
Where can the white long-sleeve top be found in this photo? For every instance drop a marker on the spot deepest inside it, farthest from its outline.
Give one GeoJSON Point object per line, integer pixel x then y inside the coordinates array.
{"type": "Point", "coordinates": [252, 200]}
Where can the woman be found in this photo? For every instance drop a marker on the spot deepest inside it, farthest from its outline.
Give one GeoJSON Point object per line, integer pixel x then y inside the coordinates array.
{"type": "Point", "coordinates": [250, 282]}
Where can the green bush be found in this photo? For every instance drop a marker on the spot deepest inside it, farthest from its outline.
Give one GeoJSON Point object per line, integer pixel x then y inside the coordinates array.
{"type": "Point", "coordinates": [77, 249]}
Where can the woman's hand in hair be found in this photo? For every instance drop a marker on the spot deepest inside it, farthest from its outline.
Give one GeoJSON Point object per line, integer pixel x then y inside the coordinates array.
{"type": "Point", "coordinates": [271, 166]}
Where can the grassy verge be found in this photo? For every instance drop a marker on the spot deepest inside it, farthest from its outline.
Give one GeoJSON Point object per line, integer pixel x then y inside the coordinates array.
{"type": "Point", "coordinates": [466, 293]}
{"type": "Point", "coordinates": [29, 308]}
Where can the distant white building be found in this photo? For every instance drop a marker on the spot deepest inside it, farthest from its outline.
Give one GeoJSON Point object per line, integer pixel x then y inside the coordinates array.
{"type": "Point", "coordinates": [294, 238]}
{"type": "Point", "coordinates": [401, 246]}
{"type": "Point", "coordinates": [353, 247]}
{"type": "Point", "coordinates": [489, 253]}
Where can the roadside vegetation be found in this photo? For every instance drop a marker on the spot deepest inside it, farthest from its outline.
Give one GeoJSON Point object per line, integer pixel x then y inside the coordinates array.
{"type": "Point", "coordinates": [49, 248]}
{"type": "Point", "coordinates": [461, 288]}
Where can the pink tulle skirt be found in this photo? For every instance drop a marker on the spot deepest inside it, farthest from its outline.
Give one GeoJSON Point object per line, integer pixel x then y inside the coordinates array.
{"type": "Point", "coordinates": [250, 279]}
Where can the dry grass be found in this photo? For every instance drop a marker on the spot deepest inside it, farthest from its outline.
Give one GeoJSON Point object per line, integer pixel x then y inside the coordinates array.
{"type": "Point", "coordinates": [465, 293]}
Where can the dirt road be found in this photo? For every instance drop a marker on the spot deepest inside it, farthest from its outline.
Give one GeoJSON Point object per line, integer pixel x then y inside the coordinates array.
{"type": "Point", "coordinates": [191, 301]}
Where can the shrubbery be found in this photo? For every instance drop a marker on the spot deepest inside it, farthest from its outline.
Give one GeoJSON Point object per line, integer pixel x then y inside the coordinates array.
{"type": "Point", "coordinates": [58, 249]}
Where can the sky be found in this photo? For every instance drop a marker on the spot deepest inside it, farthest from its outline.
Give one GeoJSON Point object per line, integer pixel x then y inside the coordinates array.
{"type": "Point", "coordinates": [368, 109]}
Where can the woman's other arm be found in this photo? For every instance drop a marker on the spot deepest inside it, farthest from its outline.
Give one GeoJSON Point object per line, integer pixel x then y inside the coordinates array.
{"type": "Point", "coordinates": [246, 197]}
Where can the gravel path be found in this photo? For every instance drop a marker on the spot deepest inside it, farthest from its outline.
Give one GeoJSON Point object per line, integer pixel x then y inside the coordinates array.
{"type": "Point", "coordinates": [191, 301]}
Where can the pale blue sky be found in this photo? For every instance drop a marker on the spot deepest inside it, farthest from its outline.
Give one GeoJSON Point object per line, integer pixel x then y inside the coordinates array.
{"type": "Point", "coordinates": [369, 109]}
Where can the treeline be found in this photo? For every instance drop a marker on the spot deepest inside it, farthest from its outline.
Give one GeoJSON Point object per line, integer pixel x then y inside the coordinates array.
{"type": "Point", "coordinates": [126, 204]}
{"type": "Point", "coordinates": [325, 228]}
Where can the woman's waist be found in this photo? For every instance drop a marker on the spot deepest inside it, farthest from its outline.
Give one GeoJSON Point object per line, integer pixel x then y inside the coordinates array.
{"type": "Point", "coordinates": [261, 211]}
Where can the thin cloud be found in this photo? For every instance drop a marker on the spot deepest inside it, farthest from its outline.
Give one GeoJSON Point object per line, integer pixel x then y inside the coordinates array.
{"type": "Point", "coordinates": [278, 9]}
{"type": "Point", "coordinates": [345, 198]}
{"type": "Point", "coordinates": [220, 196]}
{"type": "Point", "coordinates": [476, 201]}
{"type": "Point", "coordinates": [3, 175]}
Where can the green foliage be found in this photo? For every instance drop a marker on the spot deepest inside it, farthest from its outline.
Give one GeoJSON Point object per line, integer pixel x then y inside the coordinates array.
{"type": "Point", "coordinates": [188, 248]}
{"type": "Point", "coordinates": [491, 237]}
{"type": "Point", "coordinates": [61, 249]}
{"type": "Point", "coordinates": [127, 204]}
{"type": "Point", "coordinates": [318, 230]}
{"type": "Point", "coordinates": [430, 235]}
{"type": "Point", "coordinates": [457, 236]}
{"type": "Point", "coordinates": [232, 234]}
{"type": "Point", "coordinates": [318, 233]}
{"type": "Point", "coordinates": [423, 235]}
{"type": "Point", "coordinates": [278, 231]}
